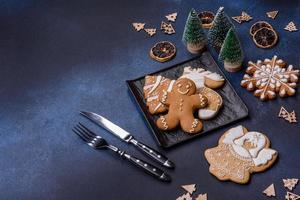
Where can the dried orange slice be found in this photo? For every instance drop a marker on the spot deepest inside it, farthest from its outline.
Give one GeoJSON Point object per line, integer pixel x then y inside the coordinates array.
{"type": "Point", "coordinates": [163, 51]}
{"type": "Point", "coordinates": [258, 25]}
{"type": "Point", "coordinates": [265, 38]}
{"type": "Point", "coordinates": [206, 18]}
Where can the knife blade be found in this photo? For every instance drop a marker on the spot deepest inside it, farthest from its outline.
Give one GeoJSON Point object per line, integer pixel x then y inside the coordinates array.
{"type": "Point", "coordinates": [127, 137]}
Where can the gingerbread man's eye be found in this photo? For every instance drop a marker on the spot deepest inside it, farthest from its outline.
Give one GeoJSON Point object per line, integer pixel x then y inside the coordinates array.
{"type": "Point", "coordinates": [187, 86]}
{"type": "Point", "coordinates": [179, 85]}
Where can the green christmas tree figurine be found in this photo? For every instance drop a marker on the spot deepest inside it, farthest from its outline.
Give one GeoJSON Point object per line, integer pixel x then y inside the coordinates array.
{"type": "Point", "coordinates": [193, 34]}
{"type": "Point", "coordinates": [220, 27]}
{"type": "Point", "coordinates": [231, 52]}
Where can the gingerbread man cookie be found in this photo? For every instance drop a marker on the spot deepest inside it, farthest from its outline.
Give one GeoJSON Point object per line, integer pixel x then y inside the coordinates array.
{"type": "Point", "coordinates": [240, 153]}
{"type": "Point", "coordinates": [205, 82]}
{"type": "Point", "coordinates": [182, 102]}
{"type": "Point", "coordinates": [153, 91]}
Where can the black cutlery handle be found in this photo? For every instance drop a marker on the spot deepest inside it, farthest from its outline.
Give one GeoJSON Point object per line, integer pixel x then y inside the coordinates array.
{"type": "Point", "coordinates": [148, 168]}
{"type": "Point", "coordinates": [153, 154]}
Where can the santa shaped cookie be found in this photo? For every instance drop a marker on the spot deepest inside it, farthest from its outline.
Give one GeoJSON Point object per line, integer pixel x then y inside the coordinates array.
{"type": "Point", "coordinates": [153, 91]}
{"type": "Point", "coordinates": [182, 102]}
{"type": "Point", "coordinates": [239, 154]}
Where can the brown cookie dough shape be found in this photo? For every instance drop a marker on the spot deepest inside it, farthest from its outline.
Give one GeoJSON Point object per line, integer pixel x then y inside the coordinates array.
{"type": "Point", "coordinates": [214, 104]}
{"type": "Point", "coordinates": [226, 163]}
{"type": "Point", "coordinates": [182, 102]}
{"type": "Point", "coordinates": [153, 91]}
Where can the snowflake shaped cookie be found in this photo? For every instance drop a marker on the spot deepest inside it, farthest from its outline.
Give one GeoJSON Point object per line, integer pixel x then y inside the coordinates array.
{"type": "Point", "coordinates": [269, 77]}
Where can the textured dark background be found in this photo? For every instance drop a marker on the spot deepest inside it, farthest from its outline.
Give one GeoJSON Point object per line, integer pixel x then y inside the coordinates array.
{"type": "Point", "coordinates": [58, 57]}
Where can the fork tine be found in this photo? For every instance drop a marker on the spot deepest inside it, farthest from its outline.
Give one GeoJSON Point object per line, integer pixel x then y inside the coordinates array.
{"type": "Point", "coordinates": [79, 134]}
{"type": "Point", "coordinates": [89, 132]}
{"type": "Point", "coordinates": [86, 133]}
{"type": "Point", "coordinates": [83, 133]}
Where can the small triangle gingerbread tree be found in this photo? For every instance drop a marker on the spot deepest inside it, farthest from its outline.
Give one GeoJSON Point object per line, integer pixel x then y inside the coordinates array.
{"type": "Point", "coordinates": [193, 34]}
{"type": "Point", "coordinates": [270, 191]}
{"type": "Point", "coordinates": [220, 27]}
{"type": "Point", "coordinates": [290, 183]}
{"type": "Point", "coordinates": [189, 188]}
{"type": "Point", "coordinates": [231, 52]}
{"type": "Point", "coordinates": [291, 196]}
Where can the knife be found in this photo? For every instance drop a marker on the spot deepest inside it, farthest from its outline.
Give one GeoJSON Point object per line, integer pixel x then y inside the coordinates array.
{"type": "Point", "coordinates": [127, 137]}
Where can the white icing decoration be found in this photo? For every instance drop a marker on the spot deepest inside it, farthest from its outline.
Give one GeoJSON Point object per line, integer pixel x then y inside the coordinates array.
{"type": "Point", "coordinates": [156, 84]}
{"type": "Point", "coordinates": [250, 86]}
{"type": "Point", "coordinates": [198, 76]}
{"type": "Point", "coordinates": [241, 151]}
{"type": "Point", "coordinates": [194, 125]}
{"type": "Point", "coordinates": [158, 105]}
{"type": "Point", "coordinates": [256, 139]}
{"type": "Point", "coordinates": [146, 87]}
{"type": "Point", "coordinates": [264, 156]}
{"type": "Point", "coordinates": [164, 97]}
{"type": "Point", "coordinates": [232, 134]}
{"type": "Point", "coordinates": [152, 98]}
{"type": "Point", "coordinates": [215, 77]}
{"type": "Point", "coordinates": [259, 155]}
{"type": "Point", "coordinates": [171, 86]}
{"type": "Point", "coordinates": [282, 92]}
{"type": "Point", "coordinates": [163, 121]}
{"type": "Point", "coordinates": [206, 113]}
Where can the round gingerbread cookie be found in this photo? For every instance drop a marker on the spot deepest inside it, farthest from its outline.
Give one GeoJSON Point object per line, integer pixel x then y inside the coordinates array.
{"type": "Point", "coordinates": [239, 154]}
{"type": "Point", "coordinates": [214, 104]}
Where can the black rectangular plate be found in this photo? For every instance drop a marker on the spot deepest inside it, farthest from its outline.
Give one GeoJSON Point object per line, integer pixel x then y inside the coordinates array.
{"type": "Point", "coordinates": [233, 107]}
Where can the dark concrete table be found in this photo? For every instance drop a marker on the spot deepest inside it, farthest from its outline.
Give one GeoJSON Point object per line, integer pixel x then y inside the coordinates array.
{"type": "Point", "coordinates": [59, 57]}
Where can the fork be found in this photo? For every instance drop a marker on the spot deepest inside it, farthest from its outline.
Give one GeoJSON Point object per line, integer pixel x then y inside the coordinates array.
{"type": "Point", "coordinates": [98, 142]}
